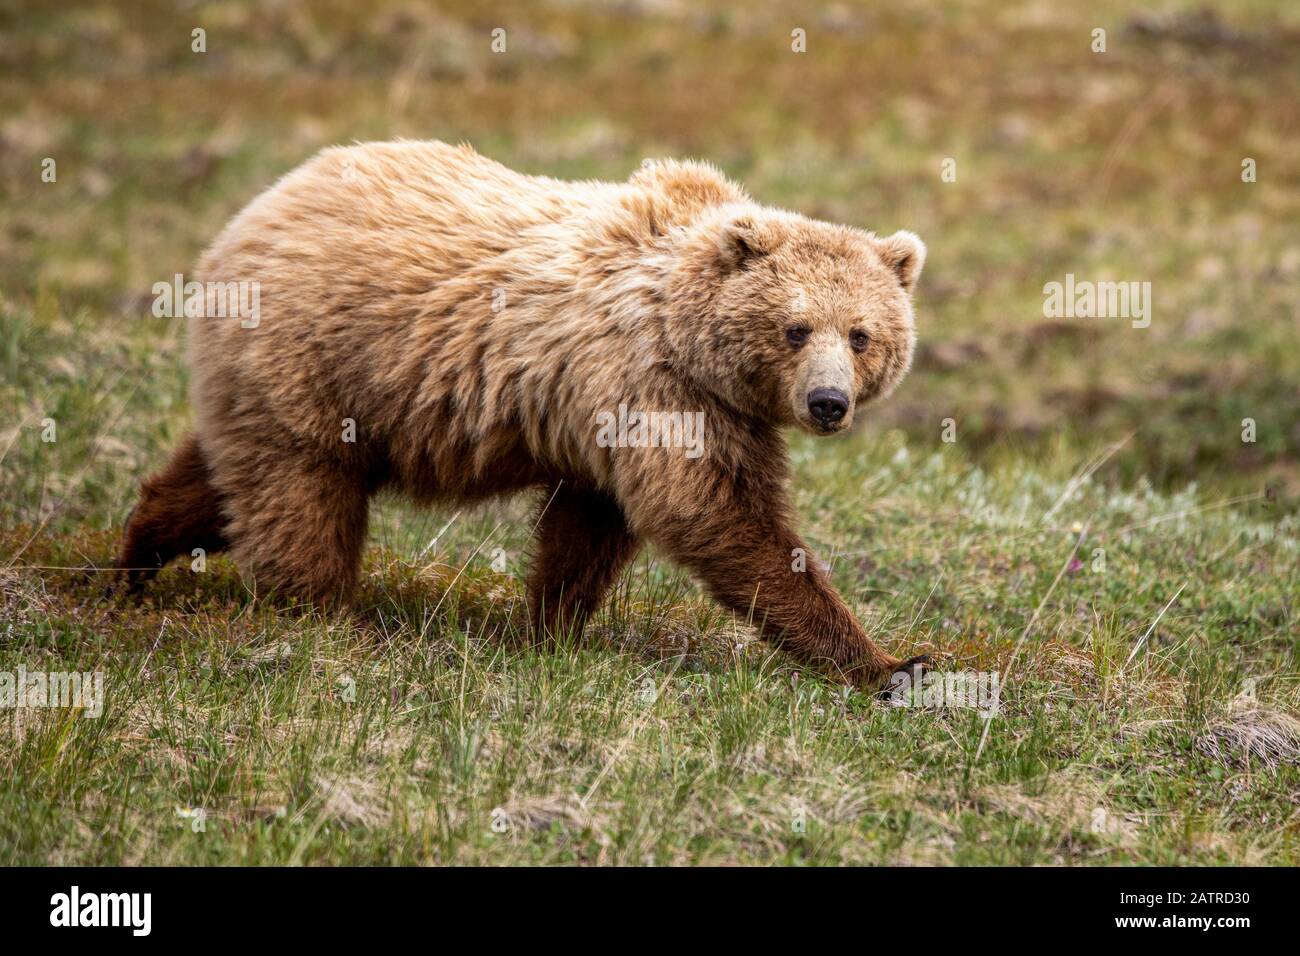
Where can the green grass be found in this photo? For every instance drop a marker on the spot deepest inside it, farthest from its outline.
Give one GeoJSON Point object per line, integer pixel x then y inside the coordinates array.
{"type": "Point", "coordinates": [670, 735]}
{"type": "Point", "coordinates": [1098, 530]}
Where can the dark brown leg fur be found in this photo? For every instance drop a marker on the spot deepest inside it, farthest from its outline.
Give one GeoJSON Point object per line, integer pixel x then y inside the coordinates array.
{"type": "Point", "coordinates": [178, 511]}
{"type": "Point", "coordinates": [745, 555]}
{"type": "Point", "coordinates": [583, 543]}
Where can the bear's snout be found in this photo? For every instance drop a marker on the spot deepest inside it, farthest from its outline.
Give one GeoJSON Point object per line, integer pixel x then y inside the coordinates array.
{"type": "Point", "coordinates": [827, 406]}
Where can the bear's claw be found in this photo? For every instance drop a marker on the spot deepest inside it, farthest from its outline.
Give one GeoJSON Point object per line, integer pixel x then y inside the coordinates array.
{"type": "Point", "coordinates": [912, 669]}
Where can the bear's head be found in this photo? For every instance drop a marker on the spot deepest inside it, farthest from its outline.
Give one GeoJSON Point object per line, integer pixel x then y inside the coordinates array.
{"type": "Point", "coordinates": [802, 322]}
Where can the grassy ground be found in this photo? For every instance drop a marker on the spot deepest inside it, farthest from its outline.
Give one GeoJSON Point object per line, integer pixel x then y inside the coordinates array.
{"type": "Point", "coordinates": [1098, 529]}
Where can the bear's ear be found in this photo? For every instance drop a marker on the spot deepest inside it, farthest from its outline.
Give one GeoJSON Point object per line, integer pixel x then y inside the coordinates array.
{"type": "Point", "coordinates": [743, 237]}
{"type": "Point", "coordinates": [904, 253]}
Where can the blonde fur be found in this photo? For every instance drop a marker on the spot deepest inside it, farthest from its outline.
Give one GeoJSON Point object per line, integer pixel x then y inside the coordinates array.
{"type": "Point", "coordinates": [473, 322]}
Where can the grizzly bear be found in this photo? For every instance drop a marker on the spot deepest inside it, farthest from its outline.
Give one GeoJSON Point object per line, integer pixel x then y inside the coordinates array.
{"type": "Point", "coordinates": [434, 323]}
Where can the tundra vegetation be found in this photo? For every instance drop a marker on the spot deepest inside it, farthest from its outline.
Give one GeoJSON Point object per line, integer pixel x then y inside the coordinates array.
{"type": "Point", "coordinates": [1101, 511]}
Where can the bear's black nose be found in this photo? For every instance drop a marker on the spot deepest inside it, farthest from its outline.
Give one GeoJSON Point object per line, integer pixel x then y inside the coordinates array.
{"type": "Point", "coordinates": [827, 405]}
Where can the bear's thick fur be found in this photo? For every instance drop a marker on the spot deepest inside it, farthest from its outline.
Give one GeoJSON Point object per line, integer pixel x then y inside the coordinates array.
{"type": "Point", "coordinates": [470, 329]}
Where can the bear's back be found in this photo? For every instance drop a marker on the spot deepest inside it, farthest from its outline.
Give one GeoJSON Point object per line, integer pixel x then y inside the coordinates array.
{"type": "Point", "coordinates": [412, 208]}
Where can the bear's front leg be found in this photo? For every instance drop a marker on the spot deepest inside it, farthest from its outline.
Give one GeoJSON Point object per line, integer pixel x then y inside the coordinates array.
{"type": "Point", "coordinates": [753, 563]}
{"type": "Point", "coordinates": [583, 542]}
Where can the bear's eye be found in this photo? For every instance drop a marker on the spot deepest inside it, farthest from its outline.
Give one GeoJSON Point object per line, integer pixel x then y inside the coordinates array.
{"type": "Point", "coordinates": [796, 335]}
{"type": "Point", "coordinates": [859, 340]}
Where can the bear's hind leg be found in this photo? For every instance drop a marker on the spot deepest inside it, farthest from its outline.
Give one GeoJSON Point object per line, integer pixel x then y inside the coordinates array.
{"type": "Point", "coordinates": [179, 510]}
{"type": "Point", "coordinates": [300, 529]}
{"type": "Point", "coordinates": [583, 542]}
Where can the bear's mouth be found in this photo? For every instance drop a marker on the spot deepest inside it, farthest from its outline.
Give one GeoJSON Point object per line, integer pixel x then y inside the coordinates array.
{"type": "Point", "coordinates": [819, 429]}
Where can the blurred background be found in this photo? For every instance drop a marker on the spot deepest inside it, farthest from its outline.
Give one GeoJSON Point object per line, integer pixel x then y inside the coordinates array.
{"type": "Point", "coordinates": [1121, 165]}
{"type": "Point", "coordinates": [1097, 530]}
